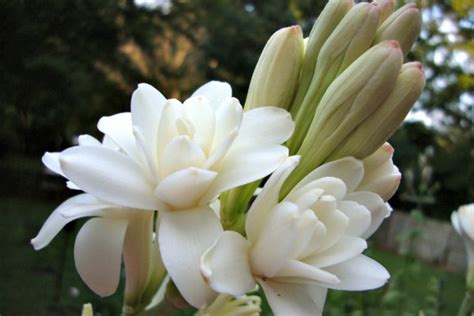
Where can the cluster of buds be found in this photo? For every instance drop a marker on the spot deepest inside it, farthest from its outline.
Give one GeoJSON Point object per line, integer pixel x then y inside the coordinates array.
{"type": "Point", "coordinates": [353, 88]}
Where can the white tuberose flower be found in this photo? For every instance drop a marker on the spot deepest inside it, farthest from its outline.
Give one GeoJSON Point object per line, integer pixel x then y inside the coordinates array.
{"type": "Point", "coordinates": [180, 156]}
{"type": "Point", "coordinates": [300, 247]}
{"type": "Point", "coordinates": [463, 223]}
{"type": "Point", "coordinates": [112, 232]}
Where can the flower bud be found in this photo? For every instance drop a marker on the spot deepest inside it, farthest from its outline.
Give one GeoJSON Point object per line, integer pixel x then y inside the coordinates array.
{"type": "Point", "coordinates": [352, 37]}
{"type": "Point", "coordinates": [350, 100]}
{"type": "Point", "coordinates": [327, 21]}
{"type": "Point", "coordinates": [404, 26]}
{"type": "Point", "coordinates": [379, 126]}
{"type": "Point", "coordinates": [87, 310]}
{"type": "Point", "coordinates": [386, 8]}
{"type": "Point", "coordinates": [275, 77]}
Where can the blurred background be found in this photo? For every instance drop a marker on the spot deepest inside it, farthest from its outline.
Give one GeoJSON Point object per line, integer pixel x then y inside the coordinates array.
{"type": "Point", "coordinates": [64, 64]}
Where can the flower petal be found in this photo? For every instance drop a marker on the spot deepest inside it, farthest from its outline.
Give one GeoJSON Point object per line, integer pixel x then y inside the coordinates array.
{"type": "Point", "coordinates": [377, 207]}
{"type": "Point", "coordinates": [183, 237]}
{"type": "Point", "coordinates": [179, 154]}
{"type": "Point", "coordinates": [185, 188]}
{"type": "Point", "coordinates": [88, 140]}
{"type": "Point", "coordinates": [215, 91]}
{"type": "Point", "coordinates": [359, 274]}
{"type": "Point", "coordinates": [56, 221]}
{"type": "Point", "coordinates": [359, 217]}
{"type": "Point", "coordinates": [98, 252]}
{"type": "Point", "coordinates": [225, 265]}
{"type": "Point", "coordinates": [346, 248]}
{"type": "Point", "coordinates": [51, 161]}
{"type": "Point", "coordinates": [349, 170]}
{"type": "Point", "coordinates": [246, 164]}
{"type": "Point", "coordinates": [228, 120]}
{"type": "Point", "coordinates": [456, 223]}
{"type": "Point", "coordinates": [119, 128]}
{"type": "Point", "coordinates": [276, 241]}
{"type": "Point", "coordinates": [167, 130]}
{"type": "Point", "coordinates": [266, 125]}
{"type": "Point", "coordinates": [268, 198]}
{"type": "Point", "coordinates": [146, 107]}
{"type": "Point", "coordinates": [293, 298]}
{"type": "Point", "coordinates": [298, 270]}
{"type": "Point", "coordinates": [200, 113]}
{"type": "Point", "coordinates": [109, 175]}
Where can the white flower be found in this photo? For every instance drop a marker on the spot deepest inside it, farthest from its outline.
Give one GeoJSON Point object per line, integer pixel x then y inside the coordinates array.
{"type": "Point", "coordinates": [463, 223]}
{"type": "Point", "coordinates": [112, 231]}
{"type": "Point", "coordinates": [298, 248]}
{"type": "Point", "coordinates": [174, 156]}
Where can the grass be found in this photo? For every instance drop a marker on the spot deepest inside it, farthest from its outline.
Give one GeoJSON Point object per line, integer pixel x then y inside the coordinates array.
{"type": "Point", "coordinates": [46, 283]}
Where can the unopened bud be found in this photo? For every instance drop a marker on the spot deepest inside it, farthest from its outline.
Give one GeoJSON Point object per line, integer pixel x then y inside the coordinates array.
{"type": "Point", "coordinates": [276, 75]}
{"type": "Point", "coordinates": [380, 125]}
{"type": "Point", "coordinates": [404, 26]}
{"type": "Point", "coordinates": [355, 95]}
{"type": "Point", "coordinates": [386, 8]}
{"type": "Point", "coordinates": [87, 310]}
{"type": "Point", "coordinates": [327, 21]}
{"type": "Point", "coordinates": [352, 37]}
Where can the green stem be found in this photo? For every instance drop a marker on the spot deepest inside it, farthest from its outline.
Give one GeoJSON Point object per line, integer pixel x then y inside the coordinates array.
{"type": "Point", "coordinates": [467, 305]}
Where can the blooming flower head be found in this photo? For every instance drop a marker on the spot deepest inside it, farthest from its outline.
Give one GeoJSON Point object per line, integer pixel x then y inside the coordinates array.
{"type": "Point", "coordinates": [310, 241]}
{"type": "Point", "coordinates": [177, 155]}
{"type": "Point", "coordinates": [463, 223]}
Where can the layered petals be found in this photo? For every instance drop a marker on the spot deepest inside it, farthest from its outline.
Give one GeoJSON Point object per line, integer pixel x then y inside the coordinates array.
{"type": "Point", "coordinates": [183, 237]}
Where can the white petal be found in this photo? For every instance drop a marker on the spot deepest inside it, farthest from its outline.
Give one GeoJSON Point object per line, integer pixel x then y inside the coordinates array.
{"type": "Point", "coordinates": [294, 299]}
{"type": "Point", "coordinates": [146, 107]}
{"type": "Point", "coordinates": [456, 223]}
{"type": "Point", "coordinates": [56, 221]}
{"type": "Point", "coordinates": [377, 207]}
{"type": "Point", "coordinates": [179, 154]}
{"type": "Point", "coordinates": [51, 161]}
{"type": "Point", "coordinates": [333, 219]}
{"type": "Point", "coordinates": [246, 164]}
{"type": "Point", "coordinates": [88, 140]}
{"type": "Point", "coordinates": [228, 119]}
{"type": "Point", "coordinates": [268, 198]}
{"type": "Point", "coordinates": [266, 125]}
{"type": "Point", "coordinates": [295, 269]}
{"type": "Point", "coordinates": [359, 217]}
{"type": "Point", "coordinates": [202, 116]}
{"type": "Point", "coordinates": [109, 175]}
{"type": "Point", "coordinates": [349, 170]}
{"type": "Point", "coordinates": [276, 240]}
{"type": "Point", "coordinates": [185, 188]}
{"type": "Point", "coordinates": [183, 238]}
{"type": "Point", "coordinates": [346, 248]}
{"type": "Point", "coordinates": [119, 128]}
{"type": "Point", "coordinates": [328, 185]}
{"type": "Point", "coordinates": [359, 274]}
{"type": "Point", "coordinates": [383, 184]}
{"type": "Point", "coordinates": [215, 91]}
{"type": "Point", "coordinates": [98, 252]}
{"type": "Point", "coordinates": [225, 265]}
{"type": "Point", "coordinates": [172, 111]}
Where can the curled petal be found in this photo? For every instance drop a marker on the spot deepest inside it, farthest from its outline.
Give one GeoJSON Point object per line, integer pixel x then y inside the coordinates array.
{"type": "Point", "coordinates": [225, 265]}
{"type": "Point", "coordinates": [215, 91]}
{"type": "Point", "coordinates": [183, 237]}
{"type": "Point", "coordinates": [98, 252]}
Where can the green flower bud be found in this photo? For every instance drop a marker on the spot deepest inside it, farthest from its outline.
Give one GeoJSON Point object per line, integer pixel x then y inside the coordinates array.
{"type": "Point", "coordinates": [350, 100]}
{"type": "Point", "coordinates": [386, 8]}
{"type": "Point", "coordinates": [87, 310]}
{"type": "Point", "coordinates": [327, 21]}
{"type": "Point", "coordinates": [276, 75]}
{"type": "Point", "coordinates": [379, 126]}
{"type": "Point", "coordinates": [352, 37]}
{"type": "Point", "coordinates": [404, 26]}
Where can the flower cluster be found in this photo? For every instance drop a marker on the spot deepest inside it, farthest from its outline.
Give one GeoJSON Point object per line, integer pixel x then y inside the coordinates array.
{"type": "Point", "coordinates": [168, 187]}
